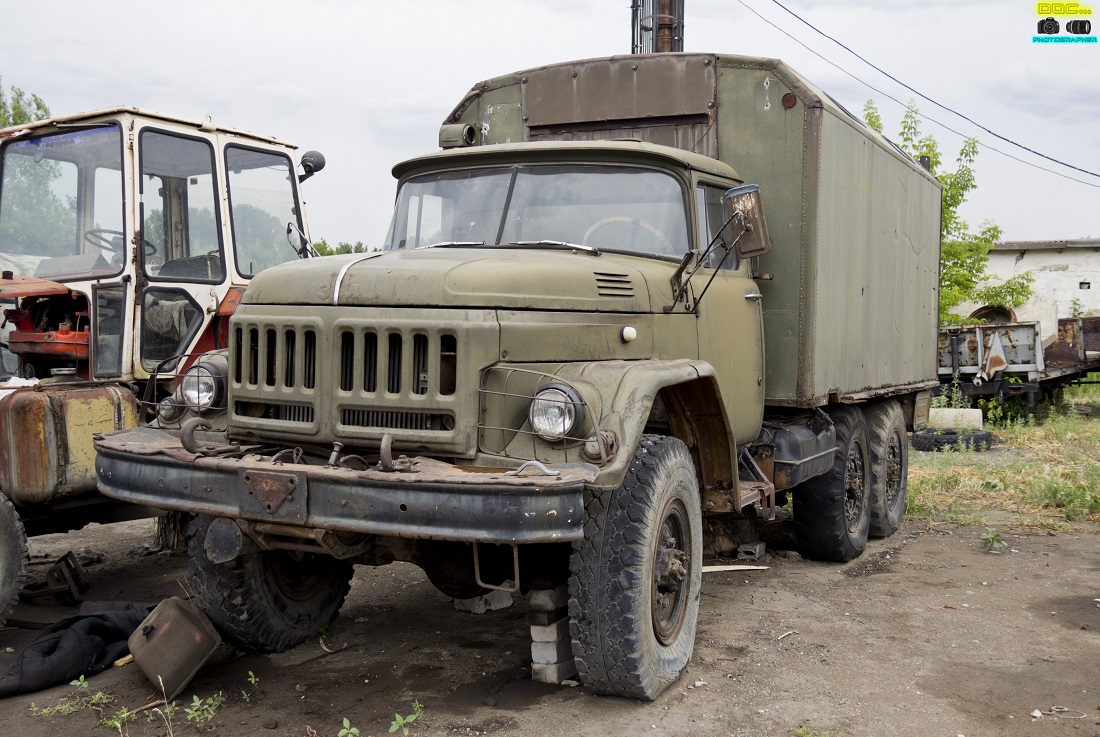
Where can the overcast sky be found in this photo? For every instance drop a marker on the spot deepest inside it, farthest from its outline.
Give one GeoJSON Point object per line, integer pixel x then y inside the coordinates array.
{"type": "Point", "coordinates": [368, 83]}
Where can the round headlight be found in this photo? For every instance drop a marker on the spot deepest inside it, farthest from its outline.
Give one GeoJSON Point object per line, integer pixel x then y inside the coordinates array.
{"type": "Point", "coordinates": [555, 412]}
{"type": "Point", "coordinates": [201, 387]}
{"type": "Point", "coordinates": [168, 411]}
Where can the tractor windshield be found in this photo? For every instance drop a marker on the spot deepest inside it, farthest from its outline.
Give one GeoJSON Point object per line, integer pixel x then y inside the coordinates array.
{"type": "Point", "coordinates": [613, 208]}
{"type": "Point", "coordinates": [61, 205]}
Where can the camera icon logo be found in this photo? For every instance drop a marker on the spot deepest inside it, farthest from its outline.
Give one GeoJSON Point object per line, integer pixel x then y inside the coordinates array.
{"type": "Point", "coordinates": [1079, 27]}
{"type": "Point", "coordinates": [1048, 26]}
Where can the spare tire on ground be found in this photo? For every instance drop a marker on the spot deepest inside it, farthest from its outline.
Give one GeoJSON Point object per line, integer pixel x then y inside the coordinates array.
{"type": "Point", "coordinates": [929, 440]}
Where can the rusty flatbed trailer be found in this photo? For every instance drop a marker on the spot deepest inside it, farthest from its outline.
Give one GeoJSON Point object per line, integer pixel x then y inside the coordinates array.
{"type": "Point", "coordinates": [1009, 359]}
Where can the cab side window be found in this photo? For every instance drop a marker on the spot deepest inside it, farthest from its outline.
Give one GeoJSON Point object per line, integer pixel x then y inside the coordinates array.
{"type": "Point", "coordinates": [713, 223]}
{"type": "Point", "coordinates": [181, 230]}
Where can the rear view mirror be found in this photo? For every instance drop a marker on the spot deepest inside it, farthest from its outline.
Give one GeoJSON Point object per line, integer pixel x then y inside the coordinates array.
{"type": "Point", "coordinates": [744, 203]}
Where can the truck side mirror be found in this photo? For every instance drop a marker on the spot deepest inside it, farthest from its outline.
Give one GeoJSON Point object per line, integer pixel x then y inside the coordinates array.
{"type": "Point", "coordinates": [744, 203]}
{"type": "Point", "coordinates": [312, 162]}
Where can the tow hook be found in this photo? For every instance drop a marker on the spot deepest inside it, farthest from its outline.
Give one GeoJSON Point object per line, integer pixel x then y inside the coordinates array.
{"type": "Point", "coordinates": [191, 445]}
{"type": "Point", "coordinates": [386, 460]}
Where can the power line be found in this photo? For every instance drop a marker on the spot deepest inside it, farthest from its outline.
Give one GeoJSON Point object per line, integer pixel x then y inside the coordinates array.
{"type": "Point", "coordinates": [929, 99]}
{"type": "Point", "coordinates": [930, 119]}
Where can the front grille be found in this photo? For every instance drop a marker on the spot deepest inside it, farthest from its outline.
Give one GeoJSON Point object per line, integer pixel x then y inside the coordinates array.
{"type": "Point", "coordinates": [275, 411]}
{"type": "Point", "coordinates": [396, 420]}
{"type": "Point", "coordinates": [283, 363]}
{"type": "Point", "coordinates": [352, 375]}
{"type": "Point", "coordinates": [405, 365]}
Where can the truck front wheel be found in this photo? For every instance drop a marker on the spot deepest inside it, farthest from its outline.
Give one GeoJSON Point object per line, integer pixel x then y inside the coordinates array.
{"type": "Point", "coordinates": [833, 511]}
{"type": "Point", "coordinates": [889, 451]}
{"type": "Point", "coordinates": [634, 588]}
{"type": "Point", "coordinates": [13, 557]}
{"type": "Point", "coordinates": [268, 601]}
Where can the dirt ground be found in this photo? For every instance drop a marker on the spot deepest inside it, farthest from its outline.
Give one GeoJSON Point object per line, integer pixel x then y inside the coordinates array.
{"type": "Point", "coordinates": [926, 634]}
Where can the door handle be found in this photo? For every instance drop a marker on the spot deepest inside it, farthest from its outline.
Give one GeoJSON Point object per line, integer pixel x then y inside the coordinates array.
{"type": "Point", "coordinates": [754, 296]}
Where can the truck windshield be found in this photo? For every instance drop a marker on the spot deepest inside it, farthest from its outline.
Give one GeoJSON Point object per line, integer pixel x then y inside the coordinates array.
{"type": "Point", "coordinates": [613, 208]}
{"type": "Point", "coordinates": [61, 205]}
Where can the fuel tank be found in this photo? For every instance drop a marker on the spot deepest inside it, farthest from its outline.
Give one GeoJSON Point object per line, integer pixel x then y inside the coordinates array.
{"type": "Point", "coordinates": [46, 434]}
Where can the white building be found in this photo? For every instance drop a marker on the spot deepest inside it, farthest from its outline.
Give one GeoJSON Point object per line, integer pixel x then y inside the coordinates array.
{"type": "Point", "coordinates": [1067, 281]}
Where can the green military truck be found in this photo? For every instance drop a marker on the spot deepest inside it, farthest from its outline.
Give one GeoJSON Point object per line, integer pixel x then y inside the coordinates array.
{"type": "Point", "coordinates": [582, 355]}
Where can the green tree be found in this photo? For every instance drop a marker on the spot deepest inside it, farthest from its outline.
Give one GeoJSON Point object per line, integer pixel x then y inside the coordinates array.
{"type": "Point", "coordinates": [20, 107]}
{"type": "Point", "coordinates": [964, 254]}
{"type": "Point", "coordinates": [324, 249]}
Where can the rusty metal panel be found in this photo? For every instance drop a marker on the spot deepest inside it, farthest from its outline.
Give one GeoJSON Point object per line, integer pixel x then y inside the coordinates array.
{"type": "Point", "coordinates": [1090, 330]}
{"type": "Point", "coordinates": [971, 350]}
{"type": "Point", "coordinates": [620, 88]}
{"type": "Point", "coordinates": [1069, 347]}
{"type": "Point", "coordinates": [273, 496]}
{"type": "Point", "coordinates": [46, 438]}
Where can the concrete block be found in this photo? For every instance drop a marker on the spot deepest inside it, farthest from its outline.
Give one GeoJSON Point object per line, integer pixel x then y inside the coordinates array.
{"type": "Point", "coordinates": [955, 419]}
{"type": "Point", "coordinates": [551, 632]}
{"type": "Point", "coordinates": [553, 672]}
{"type": "Point", "coordinates": [548, 599]}
{"type": "Point", "coordinates": [551, 652]}
{"type": "Point", "coordinates": [541, 617]}
{"type": "Point", "coordinates": [751, 551]}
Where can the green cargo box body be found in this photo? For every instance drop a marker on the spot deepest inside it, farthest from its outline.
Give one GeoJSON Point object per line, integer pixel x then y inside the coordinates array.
{"type": "Point", "coordinates": [852, 312]}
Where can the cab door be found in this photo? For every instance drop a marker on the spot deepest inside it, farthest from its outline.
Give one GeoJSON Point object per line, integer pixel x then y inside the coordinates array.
{"type": "Point", "coordinates": [730, 316]}
{"type": "Point", "coordinates": [182, 256]}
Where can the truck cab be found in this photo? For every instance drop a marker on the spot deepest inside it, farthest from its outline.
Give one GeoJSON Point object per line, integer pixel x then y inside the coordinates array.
{"type": "Point", "coordinates": [126, 240]}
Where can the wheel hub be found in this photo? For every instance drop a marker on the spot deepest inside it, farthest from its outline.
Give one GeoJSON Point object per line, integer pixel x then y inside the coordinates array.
{"type": "Point", "coordinates": [854, 489]}
{"type": "Point", "coordinates": [299, 576]}
{"type": "Point", "coordinates": [671, 576]}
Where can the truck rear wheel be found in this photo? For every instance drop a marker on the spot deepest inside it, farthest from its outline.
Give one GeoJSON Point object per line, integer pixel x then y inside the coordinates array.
{"type": "Point", "coordinates": [833, 511]}
{"type": "Point", "coordinates": [889, 450]}
{"type": "Point", "coordinates": [634, 588]}
{"type": "Point", "coordinates": [268, 601]}
{"type": "Point", "coordinates": [13, 557]}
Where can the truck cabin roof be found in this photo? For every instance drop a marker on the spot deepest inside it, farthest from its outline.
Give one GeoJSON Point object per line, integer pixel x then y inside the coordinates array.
{"type": "Point", "coordinates": [619, 151]}
{"type": "Point", "coordinates": [114, 112]}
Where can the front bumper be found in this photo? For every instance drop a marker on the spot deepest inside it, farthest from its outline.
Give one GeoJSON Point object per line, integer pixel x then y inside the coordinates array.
{"type": "Point", "coordinates": [433, 500]}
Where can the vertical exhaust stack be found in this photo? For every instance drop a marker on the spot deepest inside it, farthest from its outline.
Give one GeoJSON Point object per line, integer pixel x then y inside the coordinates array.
{"type": "Point", "coordinates": [657, 26]}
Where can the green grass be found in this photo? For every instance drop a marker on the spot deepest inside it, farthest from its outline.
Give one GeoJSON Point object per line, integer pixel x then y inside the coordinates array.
{"type": "Point", "coordinates": [1047, 472]}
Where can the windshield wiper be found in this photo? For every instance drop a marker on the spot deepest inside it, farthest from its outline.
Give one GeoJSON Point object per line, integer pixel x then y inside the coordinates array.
{"type": "Point", "coordinates": [453, 244]}
{"type": "Point", "coordinates": [559, 244]}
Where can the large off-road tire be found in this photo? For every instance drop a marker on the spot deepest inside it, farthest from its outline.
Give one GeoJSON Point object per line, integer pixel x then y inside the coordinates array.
{"type": "Point", "coordinates": [267, 601]}
{"type": "Point", "coordinates": [833, 511]}
{"type": "Point", "coordinates": [930, 440]}
{"type": "Point", "coordinates": [634, 588]}
{"type": "Point", "coordinates": [889, 448]}
{"type": "Point", "coordinates": [13, 558]}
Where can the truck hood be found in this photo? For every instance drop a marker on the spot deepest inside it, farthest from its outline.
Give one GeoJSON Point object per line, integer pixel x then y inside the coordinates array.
{"type": "Point", "coordinates": [525, 278]}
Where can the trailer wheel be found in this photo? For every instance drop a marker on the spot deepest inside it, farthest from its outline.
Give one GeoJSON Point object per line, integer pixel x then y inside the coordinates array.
{"type": "Point", "coordinates": [931, 440]}
{"type": "Point", "coordinates": [268, 601]}
{"type": "Point", "coordinates": [833, 511]}
{"type": "Point", "coordinates": [634, 588]}
{"type": "Point", "coordinates": [889, 466]}
{"type": "Point", "coordinates": [13, 558]}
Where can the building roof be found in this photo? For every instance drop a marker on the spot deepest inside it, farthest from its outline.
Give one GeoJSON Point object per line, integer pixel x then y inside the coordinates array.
{"type": "Point", "coordinates": [1047, 245]}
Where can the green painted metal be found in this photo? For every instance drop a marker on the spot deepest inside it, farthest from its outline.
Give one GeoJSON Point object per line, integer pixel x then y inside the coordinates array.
{"type": "Point", "coordinates": [852, 309]}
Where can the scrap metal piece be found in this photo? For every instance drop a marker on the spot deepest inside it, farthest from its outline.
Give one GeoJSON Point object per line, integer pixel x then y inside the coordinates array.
{"type": "Point", "coordinates": [63, 580]}
{"type": "Point", "coordinates": [173, 642]}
